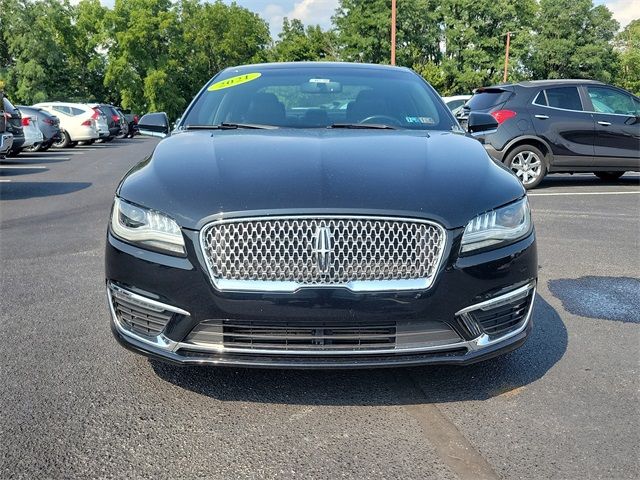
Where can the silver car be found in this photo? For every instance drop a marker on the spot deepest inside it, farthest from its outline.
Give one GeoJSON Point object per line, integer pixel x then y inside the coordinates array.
{"type": "Point", "coordinates": [6, 142]}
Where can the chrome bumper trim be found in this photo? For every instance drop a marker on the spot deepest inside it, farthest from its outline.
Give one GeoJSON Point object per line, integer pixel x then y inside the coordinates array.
{"type": "Point", "coordinates": [485, 340]}
{"type": "Point", "coordinates": [160, 341]}
{"type": "Point", "coordinates": [482, 341]}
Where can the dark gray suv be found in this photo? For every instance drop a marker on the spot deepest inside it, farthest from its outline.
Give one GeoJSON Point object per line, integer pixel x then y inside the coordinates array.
{"type": "Point", "coordinates": [551, 126]}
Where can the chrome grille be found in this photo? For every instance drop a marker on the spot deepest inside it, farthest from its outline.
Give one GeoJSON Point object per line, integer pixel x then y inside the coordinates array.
{"type": "Point", "coordinates": [285, 253]}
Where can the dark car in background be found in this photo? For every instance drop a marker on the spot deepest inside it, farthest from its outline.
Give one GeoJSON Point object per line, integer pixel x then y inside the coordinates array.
{"type": "Point", "coordinates": [270, 230]}
{"type": "Point", "coordinates": [132, 122]}
{"type": "Point", "coordinates": [13, 125]}
{"type": "Point", "coordinates": [552, 126]}
{"type": "Point", "coordinates": [48, 124]}
{"type": "Point", "coordinates": [6, 139]}
{"type": "Point", "coordinates": [113, 119]}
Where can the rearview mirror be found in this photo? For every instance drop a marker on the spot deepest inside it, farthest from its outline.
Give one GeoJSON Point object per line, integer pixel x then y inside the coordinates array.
{"type": "Point", "coordinates": [481, 123]}
{"type": "Point", "coordinates": [321, 85]}
{"type": "Point", "coordinates": [154, 125]}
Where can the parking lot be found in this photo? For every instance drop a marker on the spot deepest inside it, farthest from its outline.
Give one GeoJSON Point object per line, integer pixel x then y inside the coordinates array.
{"type": "Point", "coordinates": [73, 403]}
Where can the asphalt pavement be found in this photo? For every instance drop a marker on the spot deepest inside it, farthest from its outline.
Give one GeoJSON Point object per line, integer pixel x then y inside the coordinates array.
{"type": "Point", "coordinates": [74, 404]}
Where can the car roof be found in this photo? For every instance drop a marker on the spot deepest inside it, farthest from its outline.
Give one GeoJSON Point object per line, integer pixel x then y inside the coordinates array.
{"type": "Point", "coordinates": [456, 97]}
{"type": "Point", "coordinates": [331, 65]}
{"type": "Point", "coordinates": [544, 83]}
{"type": "Point", "coordinates": [64, 104]}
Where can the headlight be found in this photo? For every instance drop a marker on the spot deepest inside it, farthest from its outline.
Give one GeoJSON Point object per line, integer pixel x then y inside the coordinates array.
{"type": "Point", "coordinates": [146, 227]}
{"type": "Point", "coordinates": [503, 225]}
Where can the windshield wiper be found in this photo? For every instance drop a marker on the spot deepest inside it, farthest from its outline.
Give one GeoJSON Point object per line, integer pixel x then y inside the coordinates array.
{"type": "Point", "coordinates": [377, 126]}
{"type": "Point", "coordinates": [229, 126]}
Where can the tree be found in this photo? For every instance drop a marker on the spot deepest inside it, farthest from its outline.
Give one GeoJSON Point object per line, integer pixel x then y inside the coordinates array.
{"type": "Point", "coordinates": [364, 31]}
{"type": "Point", "coordinates": [297, 44]}
{"type": "Point", "coordinates": [628, 44]}
{"type": "Point", "coordinates": [138, 34]}
{"type": "Point", "coordinates": [215, 36]}
{"type": "Point", "coordinates": [39, 39]}
{"type": "Point", "coordinates": [89, 57]}
{"type": "Point", "coordinates": [573, 40]}
{"type": "Point", "coordinates": [474, 40]}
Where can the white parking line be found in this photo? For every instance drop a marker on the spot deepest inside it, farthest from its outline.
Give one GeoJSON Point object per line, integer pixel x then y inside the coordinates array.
{"type": "Point", "coordinates": [557, 194]}
{"type": "Point", "coordinates": [23, 167]}
{"type": "Point", "coordinates": [2, 180]}
{"type": "Point", "coordinates": [37, 159]}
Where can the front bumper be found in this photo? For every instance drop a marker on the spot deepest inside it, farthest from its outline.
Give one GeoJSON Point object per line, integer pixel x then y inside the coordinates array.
{"type": "Point", "coordinates": [182, 285]}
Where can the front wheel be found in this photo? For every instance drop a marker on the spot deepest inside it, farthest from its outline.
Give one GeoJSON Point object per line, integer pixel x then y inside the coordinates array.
{"type": "Point", "coordinates": [36, 147]}
{"type": "Point", "coordinates": [527, 162]}
{"type": "Point", "coordinates": [609, 176]}
{"type": "Point", "coordinates": [63, 141]}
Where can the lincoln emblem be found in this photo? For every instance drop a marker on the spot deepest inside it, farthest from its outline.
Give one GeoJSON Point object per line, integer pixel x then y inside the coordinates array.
{"type": "Point", "coordinates": [323, 248]}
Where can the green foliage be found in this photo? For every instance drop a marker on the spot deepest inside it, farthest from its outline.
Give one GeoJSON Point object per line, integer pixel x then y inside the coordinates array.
{"type": "Point", "coordinates": [475, 39]}
{"type": "Point", "coordinates": [364, 31]}
{"type": "Point", "coordinates": [628, 44]}
{"type": "Point", "coordinates": [573, 40]}
{"type": "Point", "coordinates": [296, 44]}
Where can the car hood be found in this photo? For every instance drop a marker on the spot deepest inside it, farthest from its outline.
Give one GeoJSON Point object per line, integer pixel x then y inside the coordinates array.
{"type": "Point", "coordinates": [442, 176]}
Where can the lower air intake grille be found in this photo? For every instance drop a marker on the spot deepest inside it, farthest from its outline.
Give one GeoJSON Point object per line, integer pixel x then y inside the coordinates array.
{"type": "Point", "coordinates": [325, 337]}
{"type": "Point", "coordinates": [138, 317]}
{"type": "Point", "coordinates": [505, 317]}
{"type": "Point", "coordinates": [322, 337]}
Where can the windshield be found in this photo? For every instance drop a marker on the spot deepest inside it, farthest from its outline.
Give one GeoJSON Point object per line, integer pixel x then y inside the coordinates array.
{"type": "Point", "coordinates": [319, 97]}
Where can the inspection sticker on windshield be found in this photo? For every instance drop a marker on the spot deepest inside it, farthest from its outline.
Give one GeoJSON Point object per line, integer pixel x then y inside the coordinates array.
{"type": "Point", "coordinates": [423, 120]}
{"type": "Point", "coordinates": [233, 81]}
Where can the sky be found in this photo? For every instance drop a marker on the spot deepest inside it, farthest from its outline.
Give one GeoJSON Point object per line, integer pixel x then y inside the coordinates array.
{"type": "Point", "coordinates": [320, 11]}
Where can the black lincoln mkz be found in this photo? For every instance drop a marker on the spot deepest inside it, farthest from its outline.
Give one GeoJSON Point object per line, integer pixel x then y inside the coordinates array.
{"type": "Point", "coordinates": [320, 215]}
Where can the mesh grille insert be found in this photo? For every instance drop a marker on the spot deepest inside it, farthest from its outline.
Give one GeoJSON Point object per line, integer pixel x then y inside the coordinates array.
{"type": "Point", "coordinates": [313, 251]}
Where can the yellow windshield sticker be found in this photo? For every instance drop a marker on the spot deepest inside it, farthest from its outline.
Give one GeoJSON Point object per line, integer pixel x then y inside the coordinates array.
{"type": "Point", "coordinates": [233, 81]}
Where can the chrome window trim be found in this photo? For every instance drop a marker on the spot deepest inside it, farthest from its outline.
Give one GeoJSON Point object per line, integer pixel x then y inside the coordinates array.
{"type": "Point", "coordinates": [533, 102]}
{"type": "Point", "coordinates": [482, 341]}
{"type": "Point", "coordinates": [359, 286]}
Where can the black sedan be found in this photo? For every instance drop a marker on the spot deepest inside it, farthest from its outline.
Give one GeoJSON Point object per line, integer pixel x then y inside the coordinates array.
{"type": "Point", "coordinates": [320, 216]}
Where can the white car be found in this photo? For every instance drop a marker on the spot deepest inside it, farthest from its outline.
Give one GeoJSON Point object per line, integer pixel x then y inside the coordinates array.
{"type": "Point", "coordinates": [456, 102]}
{"type": "Point", "coordinates": [32, 133]}
{"type": "Point", "coordinates": [78, 122]}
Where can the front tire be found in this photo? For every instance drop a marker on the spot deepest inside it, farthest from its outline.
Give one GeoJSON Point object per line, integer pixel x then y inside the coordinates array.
{"type": "Point", "coordinates": [608, 176]}
{"type": "Point", "coordinates": [528, 163]}
{"type": "Point", "coordinates": [63, 141]}
{"type": "Point", "coordinates": [36, 147]}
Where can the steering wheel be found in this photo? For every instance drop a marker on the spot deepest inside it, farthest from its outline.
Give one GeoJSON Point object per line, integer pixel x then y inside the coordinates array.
{"type": "Point", "coordinates": [386, 120]}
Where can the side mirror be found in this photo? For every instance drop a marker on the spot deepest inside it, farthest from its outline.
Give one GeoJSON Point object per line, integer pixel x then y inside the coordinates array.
{"type": "Point", "coordinates": [632, 120]}
{"type": "Point", "coordinates": [154, 124]}
{"type": "Point", "coordinates": [481, 123]}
